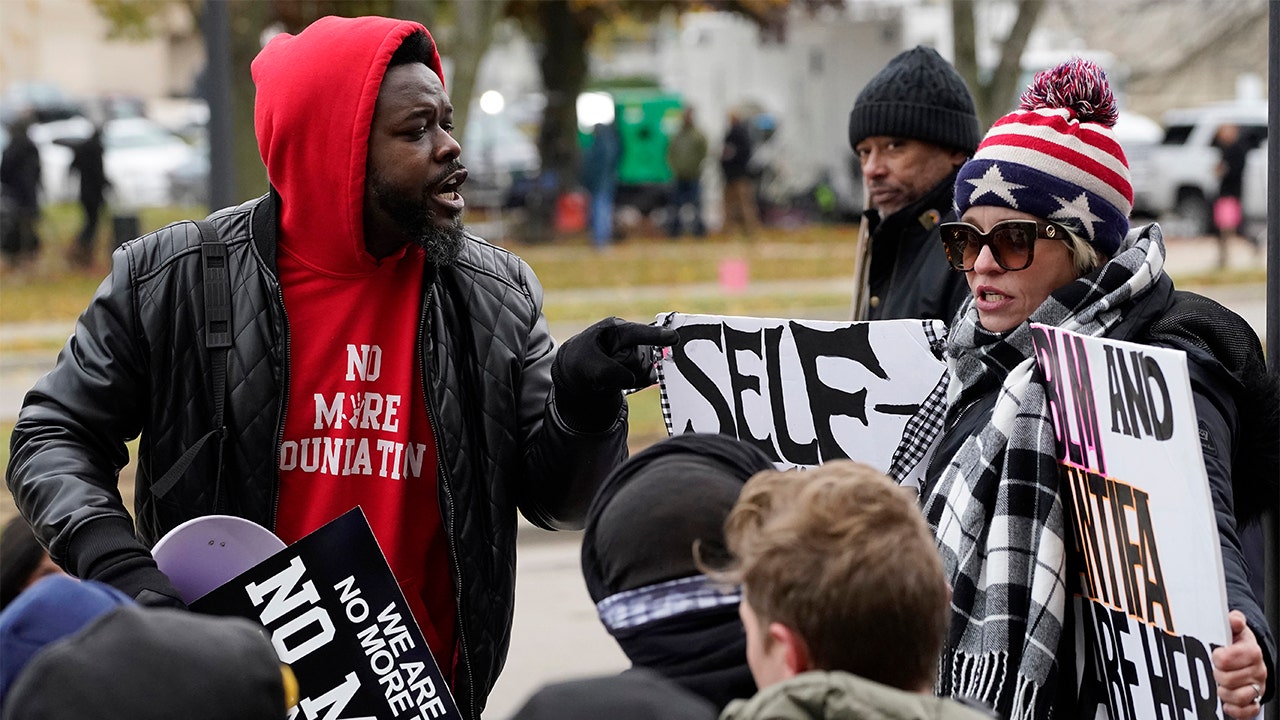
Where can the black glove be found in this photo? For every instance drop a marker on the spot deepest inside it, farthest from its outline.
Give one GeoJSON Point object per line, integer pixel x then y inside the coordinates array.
{"type": "Point", "coordinates": [112, 556]}
{"type": "Point", "coordinates": [592, 369]}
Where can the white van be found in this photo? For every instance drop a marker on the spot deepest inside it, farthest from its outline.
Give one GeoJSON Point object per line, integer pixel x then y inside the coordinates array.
{"type": "Point", "coordinates": [1177, 180]}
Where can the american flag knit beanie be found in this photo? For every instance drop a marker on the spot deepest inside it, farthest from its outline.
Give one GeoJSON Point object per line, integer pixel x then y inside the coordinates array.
{"type": "Point", "coordinates": [1056, 157]}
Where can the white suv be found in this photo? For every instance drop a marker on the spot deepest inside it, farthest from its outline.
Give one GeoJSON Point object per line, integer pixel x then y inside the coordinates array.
{"type": "Point", "coordinates": [1177, 180]}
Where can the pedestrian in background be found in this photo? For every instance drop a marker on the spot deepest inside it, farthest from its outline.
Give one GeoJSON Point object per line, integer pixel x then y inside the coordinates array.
{"type": "Point", "coordinates": [686, 151]}
{"type": "Point", "coordinates": [22, 560]}
{"type": "Point", "coordinates": [740, 208]}
{"type": "Point", "coordinates": [20, 195]}
{"type": "Point", "coordinates": [912, 127]}
{"type": "Point", "coordinates": [1227, 211]}
{"type": "Point", "coordinates": [600, 178]}
{"type": "Point", "coordinates": [87, 162]}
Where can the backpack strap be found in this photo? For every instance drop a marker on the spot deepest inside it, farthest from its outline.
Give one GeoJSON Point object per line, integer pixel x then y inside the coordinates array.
{"type": "Point", "coordinates": [216, 281]}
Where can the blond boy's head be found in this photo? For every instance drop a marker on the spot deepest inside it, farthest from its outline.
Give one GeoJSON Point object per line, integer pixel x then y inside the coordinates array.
{"type": "Point", "coordinates": [839, 572]}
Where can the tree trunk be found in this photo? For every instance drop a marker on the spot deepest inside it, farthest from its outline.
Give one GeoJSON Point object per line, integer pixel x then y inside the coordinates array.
{"type": "Point", "coordinates": [995, 95]}
{"type": "Point", "coordinates": [1002, 93]}
{"type": "Point", "coordinates": [964, 34]}
{"type": "Point", "coordinates": [564, 74]}
{"type": "Point", "coordinates": [248, 17]}
{"type": "Point", "coordinates": [474, 24]}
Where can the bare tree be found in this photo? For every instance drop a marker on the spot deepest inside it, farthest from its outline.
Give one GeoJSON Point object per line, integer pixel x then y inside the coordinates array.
{"type": "Point", "coordinates": [996, 93]}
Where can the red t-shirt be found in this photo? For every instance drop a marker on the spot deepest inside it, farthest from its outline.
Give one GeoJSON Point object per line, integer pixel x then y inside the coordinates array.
{"type": "Point", "coordinates": [356, 430]}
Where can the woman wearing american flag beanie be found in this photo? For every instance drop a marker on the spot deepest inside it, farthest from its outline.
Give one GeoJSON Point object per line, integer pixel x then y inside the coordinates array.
{"type": "Point", "coordinates": [1044, 237]}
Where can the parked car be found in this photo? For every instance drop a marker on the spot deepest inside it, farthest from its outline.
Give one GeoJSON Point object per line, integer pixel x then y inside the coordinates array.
{"type": "Point", "coordinates": [138, 155]}
{"type": "Point", "coordinates": [1177, 180]}
{"type": "Point", "coordinates": [189, 182]}
{"type": "Point", "coordinates": [499, 157]}
{"type": "Point", "coordinates": [46, 101]}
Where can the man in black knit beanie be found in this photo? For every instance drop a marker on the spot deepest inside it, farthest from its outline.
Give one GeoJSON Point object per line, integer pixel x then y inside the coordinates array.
{"type": "Point", "coordinates": [912, 127]}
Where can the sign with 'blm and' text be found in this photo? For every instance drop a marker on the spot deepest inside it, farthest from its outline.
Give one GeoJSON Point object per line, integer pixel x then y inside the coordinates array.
{"type": "Point", "coordinates": [803, 391]}
{"type": "Point", "coordinates": [337, 617]}
{"type": "Point", "coordinates": [1145, 564]}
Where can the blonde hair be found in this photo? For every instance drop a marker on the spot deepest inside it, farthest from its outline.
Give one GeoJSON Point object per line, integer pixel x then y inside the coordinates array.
{"type": "Point", "coordinates": [1085, 258]}
{"type": "Point", "coordinates": [842, 556]}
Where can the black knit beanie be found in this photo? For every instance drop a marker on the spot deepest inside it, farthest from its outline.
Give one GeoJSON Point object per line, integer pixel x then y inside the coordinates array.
{"type": "Point", "coordinates": [918, 95]}
{"type": "Point", "coordinates": [645, 517]}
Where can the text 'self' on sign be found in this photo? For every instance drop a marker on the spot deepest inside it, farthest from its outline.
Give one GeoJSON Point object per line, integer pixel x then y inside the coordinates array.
{"type": "Point", "coordinates": [336, 615]}
{"type": "Point", "coordinates": [1144, 557]}
{"type": "Point", "coordinates": [803, 391]}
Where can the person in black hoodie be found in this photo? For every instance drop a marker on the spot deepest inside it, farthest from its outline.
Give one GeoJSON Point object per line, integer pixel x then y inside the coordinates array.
{"type": "Point", "coordinates": [87, 162]}
{"type": "Point", "coordinates": [912, 127]}
{"type": "Point", "coordinates": [638, 561]}
{"type": "Point", "coordinates": [740, 207]}
{"type": "Point", "coordinates": [20, 195]}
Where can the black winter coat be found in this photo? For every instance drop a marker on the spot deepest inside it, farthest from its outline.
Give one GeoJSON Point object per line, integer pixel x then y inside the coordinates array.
{"type": "Point", "coordinates": [137, 365]}
{"type": "Point", "coordinates": [1228, 411]}
{"type": "Point", "coordinates": [909, 275]}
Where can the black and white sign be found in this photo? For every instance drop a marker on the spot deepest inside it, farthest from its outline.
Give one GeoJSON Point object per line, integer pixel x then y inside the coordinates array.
{"type": "Point", "coordinates": [336, 615]}
{"type": "Point", "coordinates": [803, 391]}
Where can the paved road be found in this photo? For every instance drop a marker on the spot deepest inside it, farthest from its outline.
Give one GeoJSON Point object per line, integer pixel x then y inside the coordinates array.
{"type": "Point", "coordinates": [557, 634]}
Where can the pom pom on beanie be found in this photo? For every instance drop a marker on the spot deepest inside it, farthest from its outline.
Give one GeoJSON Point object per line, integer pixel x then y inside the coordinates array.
{"type": "Point", "coordinates": [1057, 157]}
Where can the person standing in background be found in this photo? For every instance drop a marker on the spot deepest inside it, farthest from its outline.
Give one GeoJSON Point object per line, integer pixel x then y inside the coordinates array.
{"type": "Point", "coordinates": [739, 187]}
{"type": "Point", "coordinates": [685, 153]}
{"type": "Point", "coordinates": [20, 195]}
{"type": "Point", "coordinates": [87, 163]}
{"type": "Point", "coordinates": [22, 560]}
{"type": "Point", "coordinates": [600, 177]}
{"type": "Point", "coordinates": [1227, 212]}
{"type": "Point", "coordinates": [912, 127]}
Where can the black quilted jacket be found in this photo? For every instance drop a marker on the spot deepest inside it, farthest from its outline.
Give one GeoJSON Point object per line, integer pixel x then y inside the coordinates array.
{"type": "Point", "coordinates": [136, 365]}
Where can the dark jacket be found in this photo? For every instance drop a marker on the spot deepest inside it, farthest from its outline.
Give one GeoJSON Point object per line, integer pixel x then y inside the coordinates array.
{"type": "Point", "coordinates": [635, 694]}
{"type": "Point", "coordinates": [1225, 413]}
{"type": "Point", "coordinates": [909, 275]}
{"type": "Point", "coordinates": [20, 171]}
{"type": "Point", "coordinates": [735, 153]}
{"type": "Point", "coordinates": [136, 365]}
{"type": "Point", "coordinates": [600, 164]}
{"type": "Point", "coordinates": [87, 161]}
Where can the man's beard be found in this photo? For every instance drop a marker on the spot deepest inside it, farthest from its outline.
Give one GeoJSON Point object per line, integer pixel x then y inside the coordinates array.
{"type": "Point", "coordinates": [442, 244]}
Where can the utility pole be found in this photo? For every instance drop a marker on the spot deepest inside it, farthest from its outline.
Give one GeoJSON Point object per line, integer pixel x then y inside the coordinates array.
{"type": "Point", "coordinates": [1271, 519]}
{"type": "Point", "coordinates": [217, 76]}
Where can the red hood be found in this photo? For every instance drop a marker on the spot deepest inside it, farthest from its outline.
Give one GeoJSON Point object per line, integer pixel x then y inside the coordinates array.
{"type": "Point", "coordinates": [316, 93]}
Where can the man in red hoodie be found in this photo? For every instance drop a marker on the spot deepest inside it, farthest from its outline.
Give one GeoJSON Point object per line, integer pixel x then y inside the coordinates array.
{"type": "Point", "coordinates": [375, 354]}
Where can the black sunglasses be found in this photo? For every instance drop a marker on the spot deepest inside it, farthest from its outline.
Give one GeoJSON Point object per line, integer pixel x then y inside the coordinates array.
{"type": "Point", "coordinates": [1012, 242]}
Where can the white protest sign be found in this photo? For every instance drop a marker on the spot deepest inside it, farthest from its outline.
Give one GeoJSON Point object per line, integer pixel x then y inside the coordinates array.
{"type": "Point", "coordinates": [1146, 569]}
{"type": "Point", "coordinates": [803, 391]}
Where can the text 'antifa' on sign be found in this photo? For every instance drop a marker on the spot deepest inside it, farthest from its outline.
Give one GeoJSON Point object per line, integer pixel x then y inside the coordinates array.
{"type": "Point", "coordinates": [1133, 662]}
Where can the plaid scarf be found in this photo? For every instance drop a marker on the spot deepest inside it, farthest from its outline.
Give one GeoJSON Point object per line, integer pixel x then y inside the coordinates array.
{"type": "Point", "coordinates": [997, 510]}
